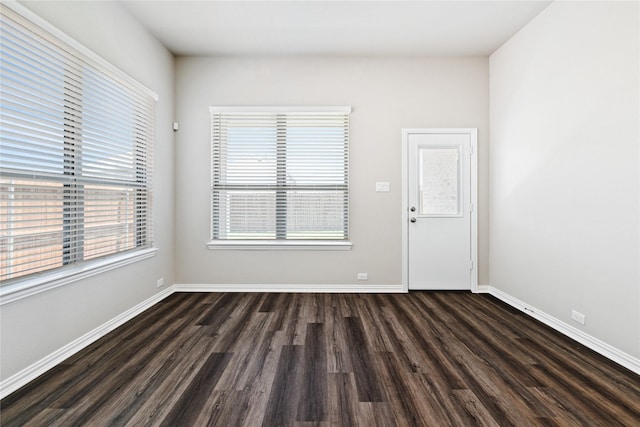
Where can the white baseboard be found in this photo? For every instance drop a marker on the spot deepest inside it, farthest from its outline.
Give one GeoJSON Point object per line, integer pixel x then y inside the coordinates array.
{"type": "Point", "coordinates": [30, 373]}
{"type": "Point", "coordinates": [583, 338]}
{"type": "Point", "coordinates": [320, 288]}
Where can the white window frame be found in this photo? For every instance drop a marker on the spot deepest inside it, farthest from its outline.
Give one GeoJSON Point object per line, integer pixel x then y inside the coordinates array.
{"type": "Point", "coordinates": [276, 244]}
{"type": "Point", "coordinates": [33, 284]}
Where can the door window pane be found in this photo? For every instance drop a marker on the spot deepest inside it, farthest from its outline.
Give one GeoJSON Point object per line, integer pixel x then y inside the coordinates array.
{"type": "Point", "coordinates": [439, 170]}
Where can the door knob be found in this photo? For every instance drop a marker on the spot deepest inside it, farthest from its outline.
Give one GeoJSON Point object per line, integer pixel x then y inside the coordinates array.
{"type": "Point", "coordinates": [413, 219]}
{"type": "Point", "coordinates": [413, 209]}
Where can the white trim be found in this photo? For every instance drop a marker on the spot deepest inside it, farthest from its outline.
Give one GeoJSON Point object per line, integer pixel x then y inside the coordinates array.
{"type": "Point", "coordinates": [473, 135]}
{"type": "Point", "coordinates": [483, 289]}
{"type": "Point", "coordinates": [404, 206]}
{"type": "Point", "coordinates": [30, 373]}
{"type": "Point", "coordinates": [583, 338]}
{"type": "Point", "coordinates": [272, 109]}
{"type": "Point", "coordinates": [638, 20]}
{"type": "Point", "coordinates": [288, 288]}
{"type": "Point", "coordinates": [56, 32]}
{"type": "Point", "coordinates": [282, 245]}
{"type": "Point", "coordinates": [63, 276]}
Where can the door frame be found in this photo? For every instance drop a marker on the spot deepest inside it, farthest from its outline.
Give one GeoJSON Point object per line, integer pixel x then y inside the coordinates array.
{"type": "Point", "coordinates": [473, 135]}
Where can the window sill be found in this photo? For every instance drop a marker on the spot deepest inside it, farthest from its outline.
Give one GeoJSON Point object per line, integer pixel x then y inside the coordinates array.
{"type": "Point", "coordinates": [280, 245]}
{"type": "Point", "coordinates": [41, 283]}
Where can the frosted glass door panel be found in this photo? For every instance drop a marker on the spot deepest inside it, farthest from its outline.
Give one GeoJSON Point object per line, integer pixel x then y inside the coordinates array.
{"type": "Point", "coordinates": [439, 191]}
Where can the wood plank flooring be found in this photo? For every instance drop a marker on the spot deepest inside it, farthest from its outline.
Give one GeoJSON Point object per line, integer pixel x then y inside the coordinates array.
{"type": "Point", "coordinates": [418, 359]}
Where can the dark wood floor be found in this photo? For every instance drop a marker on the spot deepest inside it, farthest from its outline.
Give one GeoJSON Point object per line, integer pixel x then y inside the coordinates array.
{"type": "Point", "coordinates": [230, 359]}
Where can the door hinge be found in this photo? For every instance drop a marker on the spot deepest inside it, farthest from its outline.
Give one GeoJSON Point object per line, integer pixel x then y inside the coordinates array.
{"type": "Point", "coordinates": [470, 265]}
{"type": "Point", "coordinates": [471, 150]}
{"type": "Point", "coordinates": [470, 207]}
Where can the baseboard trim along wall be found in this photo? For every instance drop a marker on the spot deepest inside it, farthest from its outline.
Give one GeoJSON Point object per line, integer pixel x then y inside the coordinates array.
{"type": "Point", "coordinates": [583, 338]}
{"type": "Point", "coordinates": [320, 288]}
{"type": "Point", "coordinates": [30, 373]}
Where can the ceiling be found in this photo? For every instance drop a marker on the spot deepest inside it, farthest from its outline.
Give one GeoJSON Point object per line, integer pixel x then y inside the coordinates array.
{"type": "Point", "coordinates": [305, 27]}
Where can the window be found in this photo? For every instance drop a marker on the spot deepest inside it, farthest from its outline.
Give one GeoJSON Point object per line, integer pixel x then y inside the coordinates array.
{"type": "Point", "coordinates": [280, 175]}
{"type": "Point", "coordinates": [439, 172]}
{"type": "Point", "coordinates": [75, 153]}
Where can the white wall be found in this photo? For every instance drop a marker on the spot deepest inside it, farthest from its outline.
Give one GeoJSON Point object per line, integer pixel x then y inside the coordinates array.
{"type": "Point", "coordinates": [34, 327]}
{"type": "Point", "coordinates": [386, 94]}
{"type": "Point", "coordinates": [565, 118]}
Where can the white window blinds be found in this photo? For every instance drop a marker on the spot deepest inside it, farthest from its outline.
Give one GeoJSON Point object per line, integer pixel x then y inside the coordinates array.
{"type": "Point", "coordinates": [280, 173]}
{"type": "Point", "coordinates": [75, 154]}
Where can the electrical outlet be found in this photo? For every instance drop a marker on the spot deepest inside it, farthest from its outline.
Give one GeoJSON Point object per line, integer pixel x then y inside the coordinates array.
{"type": "Point", "coordinates": [362, 276]}
{"type": "Point", "coordinates": [160, 282]}
{"type": "Point", "coordinates": [578, 317]}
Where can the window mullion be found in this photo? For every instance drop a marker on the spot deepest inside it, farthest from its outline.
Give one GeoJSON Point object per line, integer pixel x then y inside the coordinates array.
{"type": "Point", "coordinates": [73, 205]}
{"type": "Point", "coordinates": [141, 193]}
{"type": "Point", "coordinates": [281, 177]}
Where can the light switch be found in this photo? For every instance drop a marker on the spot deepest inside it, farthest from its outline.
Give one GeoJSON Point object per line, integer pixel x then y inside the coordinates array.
{"type": "Point", "coordinates": [382, 187]}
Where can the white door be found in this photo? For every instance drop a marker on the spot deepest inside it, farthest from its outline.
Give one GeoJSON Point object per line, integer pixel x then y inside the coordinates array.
{"type": "Point", "coordinates": [440, 184]}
